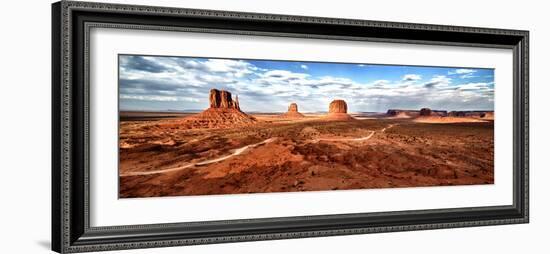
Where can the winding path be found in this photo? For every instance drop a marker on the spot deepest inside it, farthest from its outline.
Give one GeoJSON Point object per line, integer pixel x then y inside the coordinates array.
{"type": "Point", "coordinates": [235, 152]}
{"type": "Point", "coordinates": [354, 139]}
{"type": "Point", "coordinates": [241, 150]}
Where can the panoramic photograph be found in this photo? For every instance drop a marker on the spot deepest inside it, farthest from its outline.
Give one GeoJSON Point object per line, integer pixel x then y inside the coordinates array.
{"type": "Point", "coordinates": [213, 126]}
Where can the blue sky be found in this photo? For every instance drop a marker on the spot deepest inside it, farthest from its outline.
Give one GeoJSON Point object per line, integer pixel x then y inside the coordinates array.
{"type": "Point", "coordinates": [158, 83]}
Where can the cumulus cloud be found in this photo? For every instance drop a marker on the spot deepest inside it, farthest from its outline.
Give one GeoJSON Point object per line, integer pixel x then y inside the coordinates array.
{"type": "Point", "coordinates": [157, 98]}
{"type": "Point", "coordinates": [140, 63]}
{"type": "Point", "coordinates": [184, 83]}
{"type": "Point", "coordinates": [303, 66]}
{"type": "Point", "coordinates": [412, 77]}
{"type": "Point", "coordinates": [438, 81]}
{"type": "Point", "coordinates": [463, 73]}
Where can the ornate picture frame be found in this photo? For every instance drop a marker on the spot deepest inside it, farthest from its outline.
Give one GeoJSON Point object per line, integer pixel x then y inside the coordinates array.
{"type": "Point", "coordinates": [71, 229]}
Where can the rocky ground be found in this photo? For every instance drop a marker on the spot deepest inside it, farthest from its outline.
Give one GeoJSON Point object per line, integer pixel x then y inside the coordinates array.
{"type": "Point", "coordinates": [165, 158]}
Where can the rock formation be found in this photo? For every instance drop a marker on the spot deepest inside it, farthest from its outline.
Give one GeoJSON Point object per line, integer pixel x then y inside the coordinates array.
{"type": "Point", "coordinates": [338, 106]}
{"type": "Point", "coordinates": [293, 107]}
{"type": "Point", "coordinates": [472, 113]}
{"type": "Point", "coordinates": [400, 113]}
{"type": "Point", "coordinates": [338, 110]}
{"type": "Point", "coordinates": [439, 112]}
{"type": "Point", "coordinates": [292, 112]}
{"type": "Point", "coordinates": [457, 113]}
{"type": "Point", "coordinates": [223, 99]}
{"type": "Point", "coordinates": [224, 112]}
{"type": "Point", "coordinates": [236, 103]}
{"type": "Point", "coordinates": [406, 113]}
{"type": "Point", "coordinates": [425, 112]}
{"type": "Point", "coordinates": [391, 112]}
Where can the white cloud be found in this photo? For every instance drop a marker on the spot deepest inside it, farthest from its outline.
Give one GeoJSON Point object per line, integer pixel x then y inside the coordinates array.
{"type": "Point", "coordinates": [157, 98]}
{"type": "Point", "coordinates": [481, 86]}
{"type": "Point", "coordinates": [438, 81]}
{"type": "Point", "coordinates": [412, 77]}
{"type": "Point", "coordinates": [380, 82]}
{"type": "Point", "coordinates": [303, 66]}
{"type": "Point", "coordinates": [463, 73]}
{"type": "Point", "coordinates": [283, 75]}
{"type": "Point", "coordinates": [185, 82]}
{"type": "Point", "coordinates": [233, 67]}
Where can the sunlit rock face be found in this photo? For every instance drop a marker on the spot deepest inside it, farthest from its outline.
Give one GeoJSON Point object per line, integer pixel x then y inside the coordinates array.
{"type": "Point", "coordinates": [223, 99]}
{"type": "Point", "coordinates": [223, 112]}
{"type": "Point", "coordinates": [338, 106]}
{"type": "Point", "coordinates": [293, 107]}
{"type": "Point", "coordinates": [338, 110]}
{"type": "Point", "coordinates": [292, 112]}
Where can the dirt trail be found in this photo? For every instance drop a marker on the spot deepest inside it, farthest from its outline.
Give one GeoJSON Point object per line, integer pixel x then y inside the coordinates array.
{"type": "Point", "coordinates": [235, 152]}
{"type": "Point", "coordinates": [345, 139]}
{"type": "Point", "coordinates": [241, 150]}
{"type": "Point", "coordinates": [354, 139]}
{"type": "Point", "coordinates": [389, 126]}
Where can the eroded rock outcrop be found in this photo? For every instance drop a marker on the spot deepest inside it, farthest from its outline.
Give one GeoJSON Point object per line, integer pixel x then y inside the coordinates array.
{"type": "Point", "coordinates": [293, 107]}
{"type": "Point", "coordinates": [400, 113]}
{"type": "Point", "coordinates": [224, 112]}
{"type": "Point", "coordinates": [223, 99]}
{"type": "Point", "coordinates": [407, 113]}
{"type": "Point", "coordinates": [338, 110]}
{"type": "Point", "coordinates": [338, 106]}
{"type": "Point", "coordinates": [292, 112]}
{"type": "Point", "coordinates": [457, 113]}
{"type": "Point", "coordinates": [425, 112]}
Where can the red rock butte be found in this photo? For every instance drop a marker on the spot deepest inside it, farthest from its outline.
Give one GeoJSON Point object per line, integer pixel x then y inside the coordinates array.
{"type": "Point", "coordinates": [425, 112]}
{"type": "Point", "coordinates": [223, 99]}
{"type": "Point", "coordinates": [338, 110]}
{"type": "Point", "coordinates": [293, 112]}
{"type": "Point", "coordinates": [410, 113]}
{"type": "Point", "coordinates": [224, 112]}
{"type": "Point", "coordinates": [293, 107]}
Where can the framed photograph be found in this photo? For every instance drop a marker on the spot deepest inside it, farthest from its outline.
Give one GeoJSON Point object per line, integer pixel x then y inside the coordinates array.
{"type": "Point", "coordinates": [181, 126]}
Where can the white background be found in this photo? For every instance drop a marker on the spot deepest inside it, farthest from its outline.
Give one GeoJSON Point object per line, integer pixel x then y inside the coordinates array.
{"type": "Point", "coordinates": [107, 210]}
{"type": "Point", "coordinates": [25, 126]}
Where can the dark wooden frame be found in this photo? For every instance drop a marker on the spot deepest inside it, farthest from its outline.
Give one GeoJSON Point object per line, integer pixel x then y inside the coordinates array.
{"type": "Point", "coordinates": [71, 22]}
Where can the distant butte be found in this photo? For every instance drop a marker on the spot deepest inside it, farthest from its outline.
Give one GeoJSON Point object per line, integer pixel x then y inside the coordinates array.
{"type": "Point", "coordinates": [407, 113]}
{"type": "Point", "coordinates": [488, 115]}
{"type": "Point", "coordinates": [425, 112]}
{"type": "Point", "coordinates": [293, 112]}
{"type": "Point", "coordinates": [427, 115]}
{"type": "Point", "coordinates": [338, 110]}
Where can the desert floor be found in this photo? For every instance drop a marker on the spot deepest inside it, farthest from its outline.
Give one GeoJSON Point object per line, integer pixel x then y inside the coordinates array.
{"type": "Point", "coordinates": [160, 158]}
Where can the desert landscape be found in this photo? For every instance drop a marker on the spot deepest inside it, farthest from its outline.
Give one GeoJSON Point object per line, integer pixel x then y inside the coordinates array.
{"type": "Point", "coordinates": [225, 150]}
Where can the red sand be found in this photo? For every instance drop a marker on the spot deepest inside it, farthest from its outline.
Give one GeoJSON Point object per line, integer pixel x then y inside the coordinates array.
{"type": "Point", "coordinates": [301, 155]}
